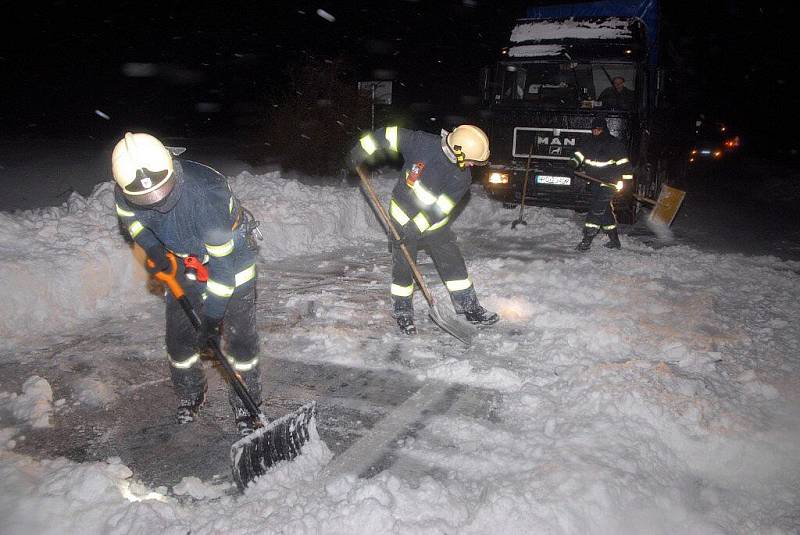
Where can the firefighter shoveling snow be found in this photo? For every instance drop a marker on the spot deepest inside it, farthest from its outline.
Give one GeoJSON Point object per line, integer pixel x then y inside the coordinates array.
{"type": "Point", "coordinates": [632, 391]}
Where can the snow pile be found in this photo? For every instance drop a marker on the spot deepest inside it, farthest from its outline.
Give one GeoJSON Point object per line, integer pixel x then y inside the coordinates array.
{"type": "Point", "coordinates": [61, 497]}
{"type": "Point", "coordinates": [299, 219]}
{"type": "Point", "coordinates": [65, 263]}
{"type": "Point", "coordinates": [197, 489]}
{"type": "Point", "coordinates": [34, 406]}
{"type": "Point", "coordinates": [39, 252]}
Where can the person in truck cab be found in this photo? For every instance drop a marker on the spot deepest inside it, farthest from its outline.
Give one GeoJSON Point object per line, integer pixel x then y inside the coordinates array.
{"type": "Point", "coordinates": [436, 176]}
{"type": "Point", "coordinates": [603, 157]}
{"type": "Point", "coordinates": [617, 97]}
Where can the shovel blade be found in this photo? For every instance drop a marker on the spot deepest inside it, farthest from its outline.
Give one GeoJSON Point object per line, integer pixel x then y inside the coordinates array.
{"type": "Point", "coordinates": [518, 222]}
{"type": "Point", "coordinates": [280, 440]}
{"type": "Point", "coordinates": [451, 324]}
{"type": "Point", "coordinates": [667, 206]}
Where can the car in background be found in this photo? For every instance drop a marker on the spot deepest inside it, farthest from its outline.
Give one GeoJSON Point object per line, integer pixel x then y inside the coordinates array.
{"type": "Point", "coordinates": [713, 143]}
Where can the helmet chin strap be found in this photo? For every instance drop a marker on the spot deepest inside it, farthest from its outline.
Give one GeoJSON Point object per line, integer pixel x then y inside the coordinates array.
{"type": "Point", "coordinates": [452, 154]}
{"type": "Point", "coordinates": [168, 203]}
{"type": "Point", "coordinates": [460, 158]}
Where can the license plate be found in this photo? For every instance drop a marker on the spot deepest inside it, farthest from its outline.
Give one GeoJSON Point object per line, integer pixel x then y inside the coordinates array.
{"type": "Point", "coordinates": [550, 179]}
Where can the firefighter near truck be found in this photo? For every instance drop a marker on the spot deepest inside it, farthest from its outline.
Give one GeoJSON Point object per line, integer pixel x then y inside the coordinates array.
{"type": "Point", "coordinates": [564, 66]}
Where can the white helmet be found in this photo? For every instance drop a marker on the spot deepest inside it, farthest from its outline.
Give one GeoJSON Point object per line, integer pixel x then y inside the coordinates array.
{"type": "Point", "coordinates": [143, 168]}
{"type": "Point", "coordinates": [467, 143]}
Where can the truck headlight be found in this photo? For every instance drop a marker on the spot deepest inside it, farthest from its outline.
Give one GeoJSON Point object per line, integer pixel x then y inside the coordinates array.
{"type": "Point", "coordinates": [498, 178]}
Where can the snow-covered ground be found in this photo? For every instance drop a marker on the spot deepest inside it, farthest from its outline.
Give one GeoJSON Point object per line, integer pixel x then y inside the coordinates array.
{"type": "Point", "coordinates": [640, 391]}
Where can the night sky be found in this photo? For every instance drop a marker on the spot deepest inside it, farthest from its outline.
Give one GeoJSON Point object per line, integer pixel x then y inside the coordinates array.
{"type": "Point", "coordinates": [227, 68]}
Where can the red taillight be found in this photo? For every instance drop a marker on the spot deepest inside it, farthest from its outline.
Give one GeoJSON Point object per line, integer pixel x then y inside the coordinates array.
{"type": "Point", "coordinates": [733, 142]}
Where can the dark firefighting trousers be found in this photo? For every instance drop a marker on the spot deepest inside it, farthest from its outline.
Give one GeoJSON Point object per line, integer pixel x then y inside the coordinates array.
{"type": "Point", "coordinates": [601, 213]}
{"type": "Point", "coordinates": [446, 255]}
{"type": "Point", "coordinates": [240, 343]}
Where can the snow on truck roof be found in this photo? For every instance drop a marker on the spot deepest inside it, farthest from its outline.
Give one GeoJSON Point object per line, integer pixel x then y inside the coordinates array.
{"type": "Point", "coordinates": [529, 38]}
{"type": "Point", "coordinates": [535, 51]}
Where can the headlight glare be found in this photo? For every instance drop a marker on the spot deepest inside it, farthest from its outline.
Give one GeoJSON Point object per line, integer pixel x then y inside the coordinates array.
{"type": "Point", "coordinates": [498, 178]}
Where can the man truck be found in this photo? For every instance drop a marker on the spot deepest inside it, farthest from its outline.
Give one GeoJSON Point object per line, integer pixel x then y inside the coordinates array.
{"type": "Point", "coordinates": [563, 66]}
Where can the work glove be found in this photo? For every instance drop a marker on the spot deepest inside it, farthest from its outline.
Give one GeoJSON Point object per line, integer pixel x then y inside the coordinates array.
{"type": "Point", "coordinates": [210, 328]}
{"type": "Point", "coordinates": [157, 254]}
{"type": "Point", "coordinates": [395, 244]}
{"type": "Point", "coordinates": [408, 232]}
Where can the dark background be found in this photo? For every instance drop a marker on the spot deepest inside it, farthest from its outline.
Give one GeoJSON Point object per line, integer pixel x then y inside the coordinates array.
{"type": "Point", "coordinates": [272, 77]}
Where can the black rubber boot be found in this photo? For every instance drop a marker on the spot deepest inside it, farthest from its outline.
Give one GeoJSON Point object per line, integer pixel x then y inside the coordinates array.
{"type": "Point", "coordinates": [466, 302]}
{"type": "Point", "coordinates": [613, 239]}
{"type": "Point", "coordinates": [586, 243]}
{"type": "Point", "coordinates": [190, 386]}
{"type": "Point", "coordinates": [406, 324]}
{"type": "Point", "coordinates": [481, 316]}
{"type": "Point", "coordinates": [189, 407]}
{"type": "Point", "coordinates": [403, 313]}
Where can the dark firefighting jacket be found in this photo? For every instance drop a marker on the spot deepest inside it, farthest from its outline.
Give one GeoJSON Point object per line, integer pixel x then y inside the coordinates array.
{"type": "Point", "coordinates": [604, 157]}
{"type": "Point", "coordinates": [432, 183]}
{"type": "Point", "coordinates": [206, 221]}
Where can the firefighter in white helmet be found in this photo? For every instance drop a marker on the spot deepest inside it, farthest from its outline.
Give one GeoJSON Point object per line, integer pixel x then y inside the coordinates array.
{"type": "Point", "coordinates": [187, 208]}
{"type": "Point", "coordinates": [436, 176]}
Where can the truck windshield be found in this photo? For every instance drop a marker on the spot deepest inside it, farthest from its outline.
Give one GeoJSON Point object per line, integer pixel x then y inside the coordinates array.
{"type": "Point", "coordinates": [567, 84]}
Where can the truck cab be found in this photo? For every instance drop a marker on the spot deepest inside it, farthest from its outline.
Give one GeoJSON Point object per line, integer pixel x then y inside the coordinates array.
{"type": "Point", "coordinates": [554, 77]}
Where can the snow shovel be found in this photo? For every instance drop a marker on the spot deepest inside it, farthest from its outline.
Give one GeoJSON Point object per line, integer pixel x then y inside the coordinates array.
{"type": "Point", "coordinates": [443, 318]}
{"type": "Point", "coordinates": [272, 442]}
{"type": "Point", "coordinates": [524, 192]}
{"type": "Point", "coordinates": [664, 209]}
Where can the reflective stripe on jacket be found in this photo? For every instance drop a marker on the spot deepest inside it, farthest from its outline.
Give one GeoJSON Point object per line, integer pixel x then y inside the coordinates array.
{"type": "Point", "coordinates": [431, 186]}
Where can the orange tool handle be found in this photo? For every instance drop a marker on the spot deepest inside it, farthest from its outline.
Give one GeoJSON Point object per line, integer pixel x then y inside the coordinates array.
{"type": "Point", "coordinates": [169, 277]}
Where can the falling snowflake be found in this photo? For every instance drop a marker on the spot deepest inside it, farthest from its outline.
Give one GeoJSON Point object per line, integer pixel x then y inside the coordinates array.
{"type": "Point", "coordinates": [325, 15]}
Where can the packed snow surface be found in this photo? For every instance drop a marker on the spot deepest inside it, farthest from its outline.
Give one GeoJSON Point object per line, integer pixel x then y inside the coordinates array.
{"type": "Point", "coordinates": [638, 391]}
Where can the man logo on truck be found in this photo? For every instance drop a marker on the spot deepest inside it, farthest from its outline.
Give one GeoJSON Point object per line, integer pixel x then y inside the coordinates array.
{"type": "Point", "coordinates": [555, 141]}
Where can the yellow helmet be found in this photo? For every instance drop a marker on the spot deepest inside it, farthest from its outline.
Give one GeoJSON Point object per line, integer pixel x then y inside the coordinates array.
{"type": "Point", "coordinates": [143, 168]}
{"type": "Point", "coordinates": [469, 144]}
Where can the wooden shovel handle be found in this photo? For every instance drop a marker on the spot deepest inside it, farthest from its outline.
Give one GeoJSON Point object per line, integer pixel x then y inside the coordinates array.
{"type": "Point", "coordinates": [362, 173]}
{"type": "Point", "coordinates": [636, 196]}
